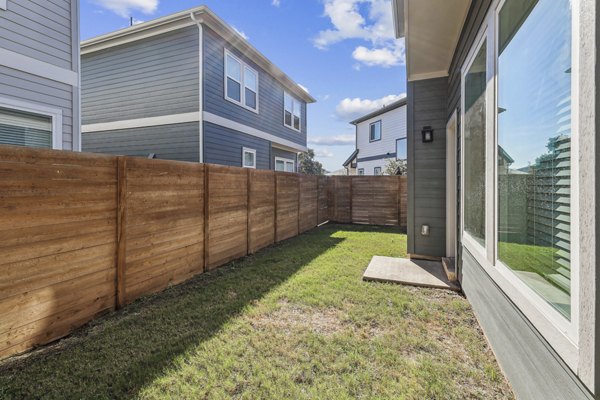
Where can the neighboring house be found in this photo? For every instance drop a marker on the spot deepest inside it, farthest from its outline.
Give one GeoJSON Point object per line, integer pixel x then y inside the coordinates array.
{"type": "Point", "coordinates": [39, 74]}
{"type": "Point", "coordinates": [143, 95]}
{"type": "Point", "coordinates": [350, 163]}
{"type": "Point", "coordinates": [380, 135]}
{"type": "Point", "coordinates": [503, 170]}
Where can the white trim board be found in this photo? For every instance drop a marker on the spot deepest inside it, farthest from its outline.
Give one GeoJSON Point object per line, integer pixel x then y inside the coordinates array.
{"type": "Point", "coordinates": [142, 122]}
{"type": "Point", "coordinates": [39, 68]}
{"type": "Point", "coordinates": [227, 123]}
{"type": "Point", "coordinates": [2, 4]}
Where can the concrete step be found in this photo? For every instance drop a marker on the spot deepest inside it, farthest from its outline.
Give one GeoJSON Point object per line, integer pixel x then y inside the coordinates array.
{"type": "Point", "coordinates": [449, 265]}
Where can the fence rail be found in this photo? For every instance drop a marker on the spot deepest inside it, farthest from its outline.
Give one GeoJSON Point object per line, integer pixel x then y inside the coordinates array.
{"type": "Point", "coordinates": [82, 234]}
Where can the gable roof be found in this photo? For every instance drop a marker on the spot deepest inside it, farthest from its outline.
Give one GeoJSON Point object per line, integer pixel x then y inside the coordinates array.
{"type": "Point", "coordinates": [352, 157]}
{"type": "Point", "coordinates": [382, 110]}
{"type": "Point", "coordinates": [188, 18]}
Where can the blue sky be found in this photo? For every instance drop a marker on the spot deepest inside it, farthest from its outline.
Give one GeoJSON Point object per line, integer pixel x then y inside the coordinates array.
{"type": "Point", "coordinates": [342, 51]}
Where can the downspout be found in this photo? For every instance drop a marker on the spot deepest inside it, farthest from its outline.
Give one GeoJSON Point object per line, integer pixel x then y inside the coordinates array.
{"type": "Point", "coordinates": [200, 89]}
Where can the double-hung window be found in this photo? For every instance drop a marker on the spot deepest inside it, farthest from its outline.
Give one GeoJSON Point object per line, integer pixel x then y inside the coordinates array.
{"type": "Point", "coordinates": [375, 131]}
{"type": "Point", "coordinates": [292, 112]}
{"type": "Point", "coordinates": [248, 158]}
{"type": "Point", "coordinates": [517, 161]}
{"type": "Point", "coordinates": [241, 83]}
{"type": "Point", "coordinates": [24, 124]}
{"type": "Point", "coordinates": [285, 164]}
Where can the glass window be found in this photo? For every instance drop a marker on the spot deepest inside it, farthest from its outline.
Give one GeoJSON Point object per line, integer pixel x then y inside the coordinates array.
{"type": "Point", "coordinates": [292, 112]}
{"type": "Point", "coordinates": [249, 158]}
{"type": "Point", "coordinates": [251, 86]}
{"type": "Point", "coordinates": [284, 164]}
{"type": "Point", "coordinates": [401, 149]}
{"type": "Point", "coordinates": [361, 171]}
{"type": "Point", "coordinates": [234, 79]}
{"type": "Point", "coordinates": [534, 143]}
{"type": "Point", "coordinates": [377, 171]}
{"type": "Point", "coordinates": [474, 146]}
{"type": "Point", "coordinates": [375, 131]}
{"type": "Point", "coordinates": [238, 76]}
{"type": "Point", "coordinates": [289, 166]}
{"type": "Point", "coordinates": [19, 128]}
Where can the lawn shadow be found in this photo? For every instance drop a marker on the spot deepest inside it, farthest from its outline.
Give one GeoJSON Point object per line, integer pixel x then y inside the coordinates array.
{"type": "Point", "coordinates": [117, 355]}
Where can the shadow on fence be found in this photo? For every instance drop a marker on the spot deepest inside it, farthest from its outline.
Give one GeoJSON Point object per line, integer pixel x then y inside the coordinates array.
{"type": "Point", "coordinates": [83, 234]}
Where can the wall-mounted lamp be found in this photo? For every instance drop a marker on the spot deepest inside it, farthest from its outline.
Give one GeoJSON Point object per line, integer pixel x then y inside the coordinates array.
{"type": "Point", "coordinates": [424, 230]}
{"type": "Point", "coordinates": [427, 132]}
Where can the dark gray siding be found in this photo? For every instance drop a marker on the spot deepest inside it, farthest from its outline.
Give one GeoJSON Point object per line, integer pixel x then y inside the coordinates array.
{"type": "Point", "coordinates": [270, 102]}
{"type": "Point", "coordinates": [39, 29]}
{"type": "Point", "coordinates": [169, 142]}
{"type": "Point", "coordinates": [427, 167]}
{"type": "Point", "coordinates": [149, 78]}
{"type": "Point", "coordinates": [224, 146]}
{"type": "Point", "coordinates": [276, 152]}
{"type": "Point", "coordinates": [535, 371]}
{"type": "Point", "coordinates": [33, 89]}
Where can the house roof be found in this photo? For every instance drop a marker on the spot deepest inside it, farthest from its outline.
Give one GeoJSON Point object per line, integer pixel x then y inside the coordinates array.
{"type": "Point", "coordinates": [382, 110]}
{"type": "Point", "coordinates": [187, 18]}
{"type": "Point", "coordinates": [352, 157]}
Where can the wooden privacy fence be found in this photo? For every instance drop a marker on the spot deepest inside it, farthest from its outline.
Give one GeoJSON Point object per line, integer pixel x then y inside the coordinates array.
{"type": "Point", "coordinates": [82, 234]}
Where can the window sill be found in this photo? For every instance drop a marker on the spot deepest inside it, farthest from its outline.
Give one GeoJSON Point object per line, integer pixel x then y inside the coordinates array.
{"type": "Point", "coordinates": [240, 104]}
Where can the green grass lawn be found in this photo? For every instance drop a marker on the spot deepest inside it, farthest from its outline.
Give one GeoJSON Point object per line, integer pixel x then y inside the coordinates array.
{"type": "Point", "coordinates": [294, 321]}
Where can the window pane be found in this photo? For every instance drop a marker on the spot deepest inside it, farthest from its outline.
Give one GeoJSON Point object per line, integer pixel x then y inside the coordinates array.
{"type": "Point", "coordinates": [234, 69]}
{"type": "Point", "coordinates": [534, 141]}
{"type": "Point", "coordinates": [279, 165]}
{"type": "Point", "coordinates": [250, 98]}
{"type": "Point", "coordinates": [289, 166]}
{"type": "Point", "coordinates": [248, 159]}
{"type": "Point", "coordinates": [377, 171]}
{"type": "Point", "coordinates": [287, 118]}
{"type": "Point", "coordinates": [234, 90]}
{"type": "Point", "coordinates": [250, 79]}
{"type": "Point", "coordinates": [375, 131]}
{"type": "Point", "coordinates": [288, 103]}
{"type": "Point", "coordinates": [20, 128]}
{"type": "Point", "coordinates": [474, 131]}
{"type": "Point", "coordinates": [296, 122]}
{"type": "Point", "coordinates": [401, 149]}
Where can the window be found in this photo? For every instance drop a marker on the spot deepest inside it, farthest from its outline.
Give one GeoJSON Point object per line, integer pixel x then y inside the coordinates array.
{"type": "Point", "coordinates": [375, 131]}
{"type": "Point", "coordinates": [292, 111]}
{"type": "Point", "coordinates": [475, 83]}
{"type": "Point", "coordinates": [241, 83]}
{"type": "Point", "coordinates": [377, 171]}
{"type": "Point", "coordinates": [248, 158]}
{"type": "Point", "coordinates": [401, 149]}
{"type": "Point", "coordinates": [534, 146]}
{"type": "Point", "coordinates": [361, 171]}
{"type": "Point", "coordinates": [285, 164]}
{"type": "Point", "coordinates": [23, 124]}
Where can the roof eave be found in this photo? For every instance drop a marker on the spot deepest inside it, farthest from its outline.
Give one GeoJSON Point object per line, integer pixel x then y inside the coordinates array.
{"type": "Point", "coordinates": [382, 110]}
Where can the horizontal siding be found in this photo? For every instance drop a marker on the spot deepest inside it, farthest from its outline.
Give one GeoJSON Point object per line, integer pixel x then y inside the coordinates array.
{"type": "Point", "coordinates": [149, 78]}
{"type": "Point", "coordinates": [270, 99]}
{"type": "Point", "coordinates": [276, 152]}
{"type": "Point", "coordinates": [224, 146]}
{"type": "Point", "coordinates": [393, 126]}
{"type": "Point", "coordinates": [369, 166]}
{"type": "Point", "coordinates": [178, 142]}
{"type": "Point", "coordinates": [39, 29]}
{"type": "Point", "coordinates": [36, 90]}
{"type": "Point", "coordinates": [534, 370]}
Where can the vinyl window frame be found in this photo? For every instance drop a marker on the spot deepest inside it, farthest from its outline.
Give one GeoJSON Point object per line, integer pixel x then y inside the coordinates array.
{"type": "Point", "coordinates": [560, 333]}
{"type": "Point", "coordinates": [375, 171]}
{"type": "Point", "coordinates": [54, 113]}
{"type": "Point", "coordinates": [243, 67]}
{"type": "Point", "coordinates": [246, 150]}
{"type": "Point", "coordinates": [380, 130]}
{"type": "Point", "coordinates": [294, 102]}
{"type": "Point", "coordinates": [405, 141]}
{"type": "Point", "coordinates": [361, 172]}
{"type": "Point", "coordinates": [285, 161]}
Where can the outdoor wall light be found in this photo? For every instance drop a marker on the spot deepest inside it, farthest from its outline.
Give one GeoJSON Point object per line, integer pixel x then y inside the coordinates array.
{"type": "Point", "coordinates": [427, 132]}
{"type": "Point", "coordinates": [425, 230]}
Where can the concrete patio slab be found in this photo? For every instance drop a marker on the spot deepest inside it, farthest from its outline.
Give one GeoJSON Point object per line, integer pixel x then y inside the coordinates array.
{"type": "Point", "coordinates": [408, 272]}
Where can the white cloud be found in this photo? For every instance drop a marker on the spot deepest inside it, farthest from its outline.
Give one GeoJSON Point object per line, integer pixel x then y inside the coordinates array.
{"type": "Point", "coordinates": [326, 97]}
{"type": "Point", "coordinates": [138, 21]}
{"type": "Point", "coordinates": [354, 108]}
{"type": "Point", "coordinates": [124, 8]}
{"type": "Point", "coordinates": [276, 3]}
{"type": "Point", "coordinates": [323, 153]}
{"type": "Point", "coordinates": [304, 88]}
{"type": "Point", "coordinates": [241, 33]}
{"type": "Point", "coordinates": [339, 140]}
{"type": "Point", "coordinates": [368, 20]}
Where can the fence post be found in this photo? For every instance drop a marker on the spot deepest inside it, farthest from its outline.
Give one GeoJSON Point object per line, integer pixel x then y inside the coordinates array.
{"type": "Point", "coordinates": [248, 189]}
{"type": "Point", "coordinates": [399, 194]}
{"type": "Point", "coordinates": [351, 195]}
{"type": "Point", "coordinates": [206, 216]}
{"type": "Point", "coordinates": [121, 231]}
{"type": "Point", "coordinates": [275, 207]}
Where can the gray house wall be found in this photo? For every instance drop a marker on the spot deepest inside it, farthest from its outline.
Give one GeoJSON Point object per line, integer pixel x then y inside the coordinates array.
{"type": "Point", "coordinates": [152, 77]}
{"type": "Point", "coordinates": [224, 146]}
{"type": "Point", "coordinates": [270, 93]}
{"type": "Point", "coordinates": [178, 142]}
{"type": "Point", "coordinates": [46, 32]}
{"type": "Point", "coordinates": [427, 167]}
{"type": "Point", "coordinates": [277, 152]}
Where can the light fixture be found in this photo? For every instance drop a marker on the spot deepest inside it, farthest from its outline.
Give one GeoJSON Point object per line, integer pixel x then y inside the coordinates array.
{"type": "Point", "coordinates": [427, 132]}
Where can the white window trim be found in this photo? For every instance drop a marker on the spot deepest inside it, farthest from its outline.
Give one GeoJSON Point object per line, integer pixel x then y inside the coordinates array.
{"type": "Point", "coordinates": [2, 4]}
{"type": "Point", "coordinates": [562, 334]}
{"type": "Point", "coordinates": [294, 100]}
{"type": "Point", "coordinates": [55, 113]}
{"type": "Point", "coordinates": [243, 67]}
{"type": "Point", "coordinates": [248, 150]}
{"type": "Point", "coordinates": [285, 161]}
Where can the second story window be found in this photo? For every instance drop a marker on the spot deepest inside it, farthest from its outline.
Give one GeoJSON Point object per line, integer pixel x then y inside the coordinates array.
{"type": "Point", "coordinates": [241, 83]}
{"type": "Point", "coordinates": [292, 112]}
{"type": "Point", "coordinates": [375, 131]}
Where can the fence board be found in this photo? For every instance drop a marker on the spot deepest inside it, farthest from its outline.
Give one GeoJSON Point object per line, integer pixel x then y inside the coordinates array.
{"type": "Point", "coordinates": [287, 205]}
{"type": "Point", "coordinates": [261, 209]}
{"type": "Point", "coordinates": [340, 199]}
{"type": "Point", "coordinates": [308, 203]}
{"type": "Point", "coordinates": [322, 200]}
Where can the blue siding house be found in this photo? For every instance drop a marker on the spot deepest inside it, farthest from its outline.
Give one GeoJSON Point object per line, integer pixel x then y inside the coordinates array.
{"type": "Point", "coordinates": [188, 87]}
